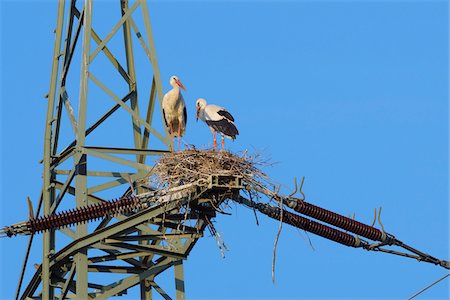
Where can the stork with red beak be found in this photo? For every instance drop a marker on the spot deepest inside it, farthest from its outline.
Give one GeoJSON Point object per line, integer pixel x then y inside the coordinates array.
{"type": "Point", "coordinates": [218, 120]}
{"type": "Point", "coordinates": [174, 110]}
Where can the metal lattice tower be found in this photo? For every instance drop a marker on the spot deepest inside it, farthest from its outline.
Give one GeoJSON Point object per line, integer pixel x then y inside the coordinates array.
{"type": "Point", "coordinates": [145, 231]}
{"type": "Point", "coordinates": [133, 241]}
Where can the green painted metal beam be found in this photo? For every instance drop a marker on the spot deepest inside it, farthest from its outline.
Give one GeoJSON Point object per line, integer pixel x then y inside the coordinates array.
{"type": "Point", "coordinates": [122, 150]}
{"type": "Point", "coordinates": [80, 258]}
{"type": "Point", "coordinates": [48, 239]}
{"type": "Point", "coordinates": [118, 160]}
{"type": "Point", "coordinates": [154, 61]}
{"type": "Point", "coordinates": [120, 256]}
{"type": "Point", "coordinates": [179, 280]}
{"type": "Point", "coordinates": [164, 251]}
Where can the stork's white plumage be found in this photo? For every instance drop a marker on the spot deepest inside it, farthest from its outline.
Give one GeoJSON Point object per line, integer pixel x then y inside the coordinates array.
{"type": "Point", "coordinates": [218, 120]}
{"type": "Point", "coordinates": [174, 110]}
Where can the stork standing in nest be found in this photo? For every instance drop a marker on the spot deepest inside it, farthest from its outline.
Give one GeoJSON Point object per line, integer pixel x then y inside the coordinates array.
{"type": "Point", "coordinates": [218, 120]}
{"type": "Point", "coordinates": [174, 110]}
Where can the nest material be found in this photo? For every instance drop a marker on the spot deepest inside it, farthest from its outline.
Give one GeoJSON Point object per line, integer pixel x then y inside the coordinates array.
{"type": "Point", "coordinates": [190, 165]}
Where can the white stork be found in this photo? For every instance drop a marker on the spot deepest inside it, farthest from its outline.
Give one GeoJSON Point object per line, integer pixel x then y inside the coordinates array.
{"type": "Point", "coordinates": [218, 120]}
{"type": "Point", "coordinates": [174, 110]}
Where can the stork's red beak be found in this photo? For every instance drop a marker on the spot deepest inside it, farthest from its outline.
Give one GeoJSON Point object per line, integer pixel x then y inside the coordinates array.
{"type": "Point", "coordinates": [180, 84]}
{"type": "Point", "coordinates": [196, 113]}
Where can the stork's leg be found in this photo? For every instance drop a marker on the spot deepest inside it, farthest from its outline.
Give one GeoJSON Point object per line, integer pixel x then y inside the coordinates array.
{"type": "Point", "coordinates": [171, 133]}
{"type": "Point", "coordinates": [179, 135]}
{"type": "Point", "coordinates": [171, 128]}
{"type": "Point", "coordinates": [215, 142]}
{"type": "Point", "coordinates": [223, 143]}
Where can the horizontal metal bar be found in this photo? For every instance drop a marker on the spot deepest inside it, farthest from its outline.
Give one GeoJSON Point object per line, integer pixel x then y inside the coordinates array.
{"type": "Point", "coordinates": [114, 269]}
{"type": "Point", "coordinates": [161, 236]}
{"type": "Point", "coordinates": [132, 261]}
{"type": "Point", "coordinates": [117, 182]}
{"type": "Point", "coordinates": [150, 248]}
{"type": "Point", "coordinates": [99, 173]}
{"type": "Point", "coordinates": [186, 229]}
{"type": "Point", "coordinates": [121, 256]}
{"type": "Point", "coordinates": [132, 151]}
{"type": "Point", "coordinates": [119, 160]}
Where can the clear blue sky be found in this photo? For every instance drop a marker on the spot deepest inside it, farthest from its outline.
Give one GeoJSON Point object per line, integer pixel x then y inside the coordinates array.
{"type": "Point", "coordinates": [351, 94]}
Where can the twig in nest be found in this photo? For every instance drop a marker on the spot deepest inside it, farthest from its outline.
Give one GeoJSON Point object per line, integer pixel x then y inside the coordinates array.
{"type": "Point", "coordinates": [221, 211]}
{"type": "Point", "coordinates": [217, 237]}
{"type": "Point", "coordinates": [276, 242]}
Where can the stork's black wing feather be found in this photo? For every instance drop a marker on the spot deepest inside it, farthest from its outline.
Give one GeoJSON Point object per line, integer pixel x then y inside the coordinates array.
{"type": "Point", "coordinates": [226, 114]}
{"type": "Point", "coordinates": [185, 115]}
{"type": "Point", "coordinates": [224, 126]}
{"type": "Point", "coordinates": [165, 121]}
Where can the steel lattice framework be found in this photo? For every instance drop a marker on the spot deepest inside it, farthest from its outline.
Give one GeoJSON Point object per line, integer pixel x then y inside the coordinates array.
{"type": "Point", "coordinates": [137, 246]}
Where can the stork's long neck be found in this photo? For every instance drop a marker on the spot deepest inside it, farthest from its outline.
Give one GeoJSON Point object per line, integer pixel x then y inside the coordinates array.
{"type": "Point", "coordinates": [201, 114]}
{"type": "Point", "coordinates": [176, 89]}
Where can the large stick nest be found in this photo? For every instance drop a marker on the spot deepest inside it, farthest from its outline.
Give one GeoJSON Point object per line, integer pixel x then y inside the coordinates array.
{"type": "Point", "coordinates": [190, 165]}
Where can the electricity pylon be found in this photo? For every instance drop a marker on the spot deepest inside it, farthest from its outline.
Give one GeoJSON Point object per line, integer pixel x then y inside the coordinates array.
{"type": "Point", "coordinates": [145, 232]}
{"type": "Point", "coordinates": [79, 170]}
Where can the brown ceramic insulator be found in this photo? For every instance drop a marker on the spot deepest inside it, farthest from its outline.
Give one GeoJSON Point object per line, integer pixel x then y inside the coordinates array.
{"type": "Point", "coordinates": [309, 225]}
{"type": "Point", "coordinates": [338, 220]}
{"type": "Point", "coordinates": [83, 214]}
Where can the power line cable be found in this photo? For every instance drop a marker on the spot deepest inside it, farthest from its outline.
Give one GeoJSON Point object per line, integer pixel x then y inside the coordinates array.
{"type": "Point", "coordinates": [427, 287]}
